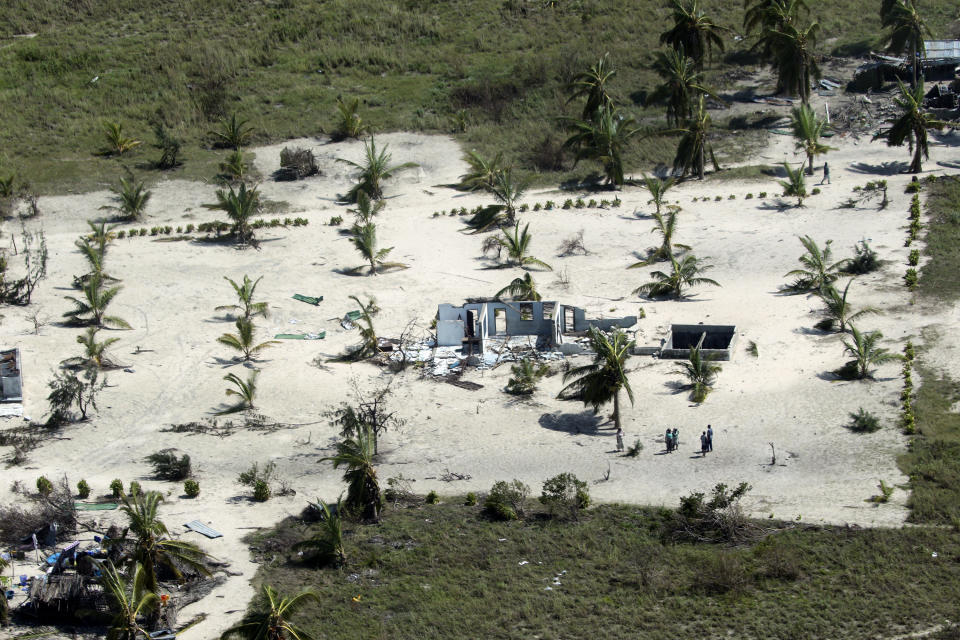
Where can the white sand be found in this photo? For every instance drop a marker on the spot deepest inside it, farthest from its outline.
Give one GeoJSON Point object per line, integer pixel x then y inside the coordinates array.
{"type": "Point", "coordinates": [823, 474]}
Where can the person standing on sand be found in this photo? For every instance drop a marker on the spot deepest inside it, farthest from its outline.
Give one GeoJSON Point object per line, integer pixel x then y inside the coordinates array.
{"type": "Point", "coordinates": [826, 173]}
{"type": "Point", "coordinates": [709, 438]}
{"type": "Point", "coordinates": [619, 439]}
{"type": "Point", "coordinates": [667, 440]}
{"type": "Point", "coordinates": [703, 444]}
{"type": "Point", "coordinates": [675, 440]}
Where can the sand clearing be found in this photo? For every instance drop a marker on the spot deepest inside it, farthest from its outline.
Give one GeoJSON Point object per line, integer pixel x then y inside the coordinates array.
{"type": "Point", "coordinates": [823, 473]}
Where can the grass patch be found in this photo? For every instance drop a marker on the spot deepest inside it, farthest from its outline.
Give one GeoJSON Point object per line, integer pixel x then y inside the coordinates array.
{"type": "Point", "coordinates": [444, 571]}
{"type": "Point", "coordinates": [452, 67]}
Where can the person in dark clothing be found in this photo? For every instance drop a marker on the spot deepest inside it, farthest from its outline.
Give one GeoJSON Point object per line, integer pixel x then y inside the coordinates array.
{"type": "Point", "coordinates": [703, 443]}
{"type": "Point", "coordinates": [709, 438]}
{"type": "Point", "coordinates": [668, 440]}
{"type": "Point", "coordinates": [619, 439]}
{"type": "Point", "coordinates": [676, 438]}
{"type": "Point", "coordinates": [826, 173]}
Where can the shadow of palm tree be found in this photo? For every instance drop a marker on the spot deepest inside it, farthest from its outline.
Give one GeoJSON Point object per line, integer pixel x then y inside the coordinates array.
{"type": "Point", "coordinates": [573, 423]}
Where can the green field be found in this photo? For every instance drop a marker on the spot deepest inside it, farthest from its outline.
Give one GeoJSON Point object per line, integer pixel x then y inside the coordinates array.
{"type": "Point", "coordinates": [491, 71]}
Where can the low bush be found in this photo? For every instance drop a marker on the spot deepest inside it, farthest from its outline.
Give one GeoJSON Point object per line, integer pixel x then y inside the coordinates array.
{"type": "Point", "coordinates": [815, 191]}
{"type": "Point", "coordinates": [885, 492]}
{"type": "Point", "coordinates": [167, 466]}
{"type": "Point", "coordinates": [914, 258]}
{"type": "Point", "coordinates": [863, 422]}
{"type": "Point", "coordinates": [83, 490]}
{"type": "Point", "coordinates": [911, 279]}
{"type": "Point", "coordinates": [135, 488]}
{"type": "Point", "coordinates": [565, 495]}
{"type": "Point", "coordinates": [261, 491]}
{"type": "Point", "coordinates": [116, 488]}
{"type": "Point", "coordinates": [913, 187]}
{"type": "Point", "coordinates": [432, 498]}
{"type": "Point", "coordinates": [864, 259]}
{"type": "Point", "coordinates": [763, 194]}
{"type": "Point", "coordinates": [44, 486]}
{"type": "Point", "coordinates": [191, 488]}
{"type": "Point", "coordinates": [634, 450]}
{"type": "Point", "coordinates": [722, 572]}
{"type": "Point", "coordinates": [471, 499]}
{"type": "Point", "coordinates": [335, 221]}
{"type": "Point", "coordinates": [506, 500]}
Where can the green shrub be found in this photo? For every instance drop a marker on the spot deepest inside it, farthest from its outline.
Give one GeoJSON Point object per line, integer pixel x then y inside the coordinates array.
{"type": "Point", "coordinates": [335, 221]}
{"type": "Point", "coordinates": [885, 492]}
{"type": "Point", "coordinates": [167, 466]}
{"type": "Point", "coordinates": [506, 500]}
{"type": "Point", "coordinates": [191, 488]}
{"type": "Point", "coordinates": [135, 488]}
{"type": "Point", "coordinates": [549, 205]}
{"type": "Point", "coordinates": [83, 490]}
{"type": "Point", "coordinates": [749, 196]}
{"type": "Point", "coordinates": [536, 206]}
{"type": "Point", "coordinates": [864, 259]}
{"type": "Point", "coordinates": [567, 204]}
{"type": "Point", "coordinates": [565, 495]}
{"type": "Point", "coordinates": [524, 208]}
{"type": "Point", "coordinates": [121, 234]}
{"type": "Point", "coordinates": [717, 198]}
{"type": "Point", "coordinates": [731, 197]}
{"type": "Point", "coordinates": [471, 499]}
{"type": "Point", "coordinates": [432, 498]}
{"type": "Point", "coordinates": [592, 204]}
{"type": "Point", "coordinates": [763, 194]}
{"type": "Point", "coordinates": [190, 228]}
{"type": "Point", "coordinates": [261, 491]}
{"type": "Point", "coordinates": [634, 450]}
{"type": "Point", "coordinates": [908, 353]}
{"type": "Point", "coordinates": [863, 422]}
{"type": "Point", "coordinates": [44, 486]}
{"type": "Point", "coordinates": [616, 202]}
{"type": "Point", "coordinates": [913, 187]}
{"type": "Point", "coordinates": [116, 488]}
{"type": "Point", "coordinates": [815, 191]}
{"type": "Point", "coordinates": [914, 258]}
{"type": "Point", "coordinates": [911, 279]}
{"type": "Point", "coordinates": [579, 204]}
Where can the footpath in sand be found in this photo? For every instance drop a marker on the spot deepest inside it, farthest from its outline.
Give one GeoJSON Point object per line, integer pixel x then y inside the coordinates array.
{"type": "Point", "coordinates": [823, 473]}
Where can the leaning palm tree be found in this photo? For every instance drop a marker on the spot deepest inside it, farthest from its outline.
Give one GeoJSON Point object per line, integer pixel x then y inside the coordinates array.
{"type": "Point", "coordinates": [369, 341]}
{"type": "Point", "coordinates": [911, 126]}
{"type": "Point", "coordinates": [684, 273]}
{"type": "Point", "coordinates": [817, 271]}
{"type": "Point", "coordinates": [794, 58]}
{"type": "Point", "coordinates": [244, 390]}
{"type": "Point", "coordinates": [694, 147]}
{"type": "Point", "coordinates": [129, 198]}
{"type": "Point", "coordinates": [349, 124]}
{"type": "Point", "coordinates": [520, 289]}
{"type": "Point", "coordinates": [328, 542]}
{"type": "Point", "coordinates": [374, 171]}
{"type": "Point", "coordinates": [658, 188]}
{"type": "Point", "coordinates": [693, 31]}
{"type": "Point", "coordinates": [482, 171]}
{"type": "Point", "coordinates": [273, 621]}
{"type": "Point", "coordinates": [507, 189]}
{"type": "Point", "coordinates": [517, 245]}
{"type": "Point", "coordinates": [364, 240]}
{"type": "Point", "coordinates": [233, 133]}
{"type": "Point", "coordinates": [769, 18]}
{"type": "Point", "coordinates": [91, 308]}
{"type": "Point", "coordinates": [130, 601]}
{"type": "Point", "coordinates": [363, 488]}
{"type": "Point", "coordinates": [666, 226]}
{"type": "Point", "coordinates": [240, 206]}
{"type": "Point", "coordinates": [602, 137]}
{"type": "Point", "coordinates": [795, 185]}
{"type": "Point", "coordinates": [245, 292]}
{"type": "Point", "coordinates": [243, 340]}
{"type": "Point", "coordinates": [367, 209]}
{"type": "Point", "coordinates": [599, 382]}
{"type": "Point", "coordinates": [905, 31]}
{"type": "Point", "coordinates": [839, 314]}
{"type": "Point", "coordinates": [94, 255]}
{"type": "Point", "coordinates": [807, 130]}
{"type": "Point", "coordinates": [592, 85]}
{"type": "Point", "coordinates": [153, 546]}
{"type": "Point", "coordinates": [700, 372]}
{"type": "Point", "coordinates": [682, 83]}
{"type": "Point", "coordinates": [866, 354]}
{"type": "Point", "coordinates": [94, 353]}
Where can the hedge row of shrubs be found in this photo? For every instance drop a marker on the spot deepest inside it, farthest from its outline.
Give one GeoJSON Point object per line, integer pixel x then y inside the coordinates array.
{"type": "Point", "coordinates": [217, 226]}
{"type": "Point", "coordinates": [911, 278]}
{"type": "Point", "coordinates": [549, 205]}
{"type": "Point", "coordinates": [907, 420]}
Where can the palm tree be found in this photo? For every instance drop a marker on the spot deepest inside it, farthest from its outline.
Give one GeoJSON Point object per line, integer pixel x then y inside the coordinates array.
{"type": "Point", "coordinates": [328, 543]}
{"type": "Point", "coordinates": [369, 341]}
{"type": "Point", "coordinates": [94, 353]}
{"type": "Point", "coordinates": [348, 124]}
{"type": "Point", "coordinates": [233, 133]}
{"type": "Point", "coordinates": [153, 546]}
{"type": "Point", "coordinates": [817, 270]}
{"type": "Point", "coordinates": [770, 17]}
{"type": "Point", "coordinates": [482, 171]}
{"type": "Point", "coordinates": [91, 309]}
{"type": "Point", "coordinates": [866, 354]}
{"type": "Point", "coordinates": [273, 621]}
{"type": "Point", "coordinates": [234, 169]}
{"type": "Point", "coordinates": [795, 185]}
{"type": "Point", "coordinates": [363, 489]}
{"type": "Point", "coordinates": [374, 171]}
{"type": "Point", "coordinates": [794, 58]}
{"type": "Point", "coordinates": [602, 137]}
{"type": "Point", "coordinates": [665, 226]}
{"type": "Point", "coordinates": [520, 289]}
{"type": "Point", "coordinates": [693, 148]}
{"type": "Point", "coordinates": [130, 601]}
{"type": "Point", "coordinates": [592, 85]}
{"type": "Point", "coordinates": [684, 273]}
{"type": "Point", "coordinates": [245, 293]}
{"type": "Point", "coordinates": [507, 190]}
{"type": "Point", "coordinates": [682, 83]}
{"type": "Point", "coordinates": [367, 209]}
{"type": "Point", "coordinates": [94, 256]}
{"type": "Point", "coordinates": [807, 129]}
{"type": "Point", "coordinates": [100, 235]}
{"type": "Point", "coordinates": [658, 188]}
{"type": "Point", "coordinates": [905, 30]}
{"type": "Point", "coordinates": [700, 372]}
{"type": "Point", "coordinates": [599, 382]}
{"type": "Point", "coordinates": [117, 143]}
{"type": "Point", "coordinates": [517, 245]}
{"type": "Point", "coordinates": [693, 31]}
{"type": "Point", "coordinates": [129, 198]}
{"type": "Point", "coordinates": [364, 239]}
{"type": "Point", "coordinates": [525, 375]}
{"type": "Point", "coordinates": [838, 311]}
{"type": "Point", "coordinates": [246, 391]}
{"type": "Point", "coordinates": [239, 206]}
{"type": "Point", "coordinates": [911, 126]}
{"type": "Point", "coordinates": [243, 339]}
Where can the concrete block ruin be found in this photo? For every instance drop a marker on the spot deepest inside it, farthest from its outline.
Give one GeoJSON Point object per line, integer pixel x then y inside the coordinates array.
{"type": "Point", "coordinates": [716, 341]}
{"type": "Point", "coordinates": [11, 388]}
{"type": "Point", "coordinates": [474, 325]}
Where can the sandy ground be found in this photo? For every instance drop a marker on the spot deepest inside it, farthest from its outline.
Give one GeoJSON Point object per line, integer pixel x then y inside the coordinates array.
{"type": "Point", "coordinates": [823, 473]}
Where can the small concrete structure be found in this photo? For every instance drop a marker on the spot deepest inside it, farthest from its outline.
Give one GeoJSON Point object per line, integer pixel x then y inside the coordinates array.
{"type": "Point", "coordinates": [716, 341]}
{"type": "Point", "coordinates": [473, 324]}
{"type": "Point", "coordinates": [11, 387]}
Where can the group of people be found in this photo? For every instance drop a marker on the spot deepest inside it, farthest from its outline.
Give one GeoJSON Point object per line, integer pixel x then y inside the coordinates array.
{"type": "Point", "coordinates": [672, 439]}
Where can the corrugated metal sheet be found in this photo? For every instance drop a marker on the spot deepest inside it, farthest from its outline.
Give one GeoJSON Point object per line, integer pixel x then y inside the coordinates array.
{"type": "Point", "coordinates": [942, 49]}
{"type": "Point", "coordinates": [199, 527]}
